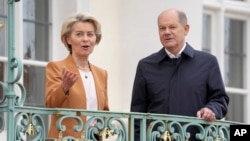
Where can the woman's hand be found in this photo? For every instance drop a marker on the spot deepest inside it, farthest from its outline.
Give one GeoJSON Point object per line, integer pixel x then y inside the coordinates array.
{"type": "Point", "coordinates": [68, 79]}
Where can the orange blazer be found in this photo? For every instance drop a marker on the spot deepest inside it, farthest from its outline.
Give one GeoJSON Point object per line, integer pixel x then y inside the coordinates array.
{"type": "Point", "coordinates": [55, 97]}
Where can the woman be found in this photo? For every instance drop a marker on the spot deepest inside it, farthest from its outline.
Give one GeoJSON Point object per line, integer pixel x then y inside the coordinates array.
{"type": "Point", "coordinates": [74, 82]}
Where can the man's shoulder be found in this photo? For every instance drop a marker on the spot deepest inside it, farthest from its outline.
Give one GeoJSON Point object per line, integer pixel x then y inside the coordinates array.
{"type": "Point", "coordinates": [155, 56]}
{"type": "Point", "coordinates": [204, 54]}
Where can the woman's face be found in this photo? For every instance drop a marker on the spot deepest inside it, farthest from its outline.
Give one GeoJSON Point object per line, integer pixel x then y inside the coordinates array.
{"type": "Point", "coordinates": [82, 38]}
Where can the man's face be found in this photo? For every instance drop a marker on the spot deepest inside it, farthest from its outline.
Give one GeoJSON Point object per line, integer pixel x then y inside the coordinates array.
{"type": "Point", "coordinates": [172, 33]}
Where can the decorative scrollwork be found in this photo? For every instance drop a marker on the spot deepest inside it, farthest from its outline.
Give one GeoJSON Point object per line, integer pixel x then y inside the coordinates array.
{"type": "Point", "coordinates": [105, 128]}
{"type": "Point", "coordinates": [211, 132]}
{"type": "Point", "coordinates": [223, 133]}
{"type": "Point", "coordinates": [20, 99]}
{"type": "Point", "coordinates": [78, 128]}
{"type": "Point", "coordinates": [195, 128]}
{"type": "Point", "coordinates": [156, 129]}
{"type": "Point", "coordinates": [16, 63]}
{"type": "Point", "coordinates": [3, 85]}
{"type": "Point", "coordinates": [29, 124]}
{"type": "Point", "coordinates": [62, 127]}
{"type": "Point", "coordinates": [177, 131]}
{"type": "Point", "coordinates": [117, 127]}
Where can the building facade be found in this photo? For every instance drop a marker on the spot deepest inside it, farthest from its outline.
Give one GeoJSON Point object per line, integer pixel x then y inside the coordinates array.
{"type": "Point", "coordinates": [221, 27]}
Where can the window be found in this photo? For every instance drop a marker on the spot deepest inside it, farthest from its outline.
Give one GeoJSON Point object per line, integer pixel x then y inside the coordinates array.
{"type": "Point", "coordinates": [235, 60]}
{"type": "Point", "coordinates": [206, 33]}
{"type": "Point", "coordinates": [234, 51]}
{"type": "Point", "coordinates": [227, 37]}
{"type": "Point", "coordinates": [3, 30]}
{"type": "Point", "coordinates": [36, 46]}
{"type": "Point", "coordinates": [3, 43]}
{"type": "Point", "coordinates": [36, 30]}
{"type": "Point", "coordinates": [37, 25]}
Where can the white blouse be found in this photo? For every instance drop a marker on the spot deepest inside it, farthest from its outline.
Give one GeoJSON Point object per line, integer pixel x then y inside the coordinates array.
{"type": "Point", "coordinates": [89, 85]}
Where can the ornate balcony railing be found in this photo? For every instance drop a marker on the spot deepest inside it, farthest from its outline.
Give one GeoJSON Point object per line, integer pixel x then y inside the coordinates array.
{"type": "Point", "coordinates": [28, 123]}
{"type": "Point", "coordinates": [115, 126]}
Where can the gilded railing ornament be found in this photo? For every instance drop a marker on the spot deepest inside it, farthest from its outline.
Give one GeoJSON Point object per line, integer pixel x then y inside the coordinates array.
{"type": "Point", "coordinates": [166, 136]}
{"type": "Point", "coordinates": [1, 25]}
{"type": "Point", "coordinates": [30, 129]}
{"type": "Point", "coordinates": [60, 136]}
{"type": "Point", "coordinates": [218, 138]}
{"type": "Point", "coordinates": [106, 133]}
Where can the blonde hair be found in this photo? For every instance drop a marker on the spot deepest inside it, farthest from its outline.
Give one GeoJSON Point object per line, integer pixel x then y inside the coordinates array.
{"type": "Point", "coordinates": [79, 17]}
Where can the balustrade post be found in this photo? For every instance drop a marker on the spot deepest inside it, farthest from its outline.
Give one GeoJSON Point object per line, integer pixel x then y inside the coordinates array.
{"type": "Point", "coordinates": [12, 64]}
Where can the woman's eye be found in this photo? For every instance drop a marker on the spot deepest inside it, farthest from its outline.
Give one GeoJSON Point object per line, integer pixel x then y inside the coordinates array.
{"type": "Point", "coordinates": [90, 34]}
{"type": "Point", "coordinates": [79, 34]}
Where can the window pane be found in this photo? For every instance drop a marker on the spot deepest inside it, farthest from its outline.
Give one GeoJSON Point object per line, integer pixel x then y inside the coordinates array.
{"type": "Point", "coordinates": [234, 53]}
{"type": "Point", "coordinates": [36, 30]}
{"type": "Point", "coordinates": [34, 84]}
{"type": "Point", "coordinates": [3, 37]}
{"type": "Point", "coordinates": [2, 7]}
{"type": "Point", "coordinates": [3, 20]}
{"type": "Point", "coordinates": [206, 33]}
{"type": "Point", "coordinates": [236, 108]}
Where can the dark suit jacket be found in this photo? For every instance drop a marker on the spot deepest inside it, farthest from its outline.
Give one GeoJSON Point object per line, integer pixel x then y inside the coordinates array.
{"type": "Point", "coordinates": [180, 88]}
{"type": "Point", "coordinates": [55, 97]}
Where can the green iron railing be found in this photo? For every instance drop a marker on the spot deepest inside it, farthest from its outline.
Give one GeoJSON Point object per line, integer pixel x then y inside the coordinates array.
{"type": "Point", "coordinates": [28, 123]}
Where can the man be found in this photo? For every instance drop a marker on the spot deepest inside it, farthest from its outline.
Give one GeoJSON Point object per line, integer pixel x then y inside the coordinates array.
{"type": "Point", "coordinates": [178, 79]}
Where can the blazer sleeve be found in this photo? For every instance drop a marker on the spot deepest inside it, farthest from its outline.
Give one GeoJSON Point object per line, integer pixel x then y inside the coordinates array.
{"type": "Point", "coordinates": [54, 94]}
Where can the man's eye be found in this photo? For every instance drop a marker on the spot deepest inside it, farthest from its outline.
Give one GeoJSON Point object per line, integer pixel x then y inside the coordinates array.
{"type": "Point", "coordinates": [162, 28]}
{"type": "Point", "coordinates": [172, 27]}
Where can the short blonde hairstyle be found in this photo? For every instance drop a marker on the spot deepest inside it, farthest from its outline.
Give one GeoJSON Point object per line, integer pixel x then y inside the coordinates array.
{"type": "Point", "coordinates": [79, 17]}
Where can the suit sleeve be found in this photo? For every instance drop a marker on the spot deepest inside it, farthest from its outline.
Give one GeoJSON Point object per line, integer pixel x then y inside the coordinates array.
{"type": "Point", "coordinates": [217, 98]}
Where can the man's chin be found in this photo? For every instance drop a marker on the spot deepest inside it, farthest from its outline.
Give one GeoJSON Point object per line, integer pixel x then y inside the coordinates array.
{"type": "Point", "coordinates": [169, 46]}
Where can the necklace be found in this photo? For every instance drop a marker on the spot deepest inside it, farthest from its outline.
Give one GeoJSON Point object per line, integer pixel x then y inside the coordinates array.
{"type": "Point", "coordinates": [86, 77]}
{"type": "Point", "coordinates": [84, 70]}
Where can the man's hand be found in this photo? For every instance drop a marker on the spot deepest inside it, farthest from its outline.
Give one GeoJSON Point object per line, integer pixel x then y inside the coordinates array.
{"type": "Point", "coordinates": [206, 114]}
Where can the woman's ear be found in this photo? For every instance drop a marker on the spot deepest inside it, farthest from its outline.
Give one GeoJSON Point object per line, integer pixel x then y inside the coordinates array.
{"type": "Point", "coordinates": [68, 40]}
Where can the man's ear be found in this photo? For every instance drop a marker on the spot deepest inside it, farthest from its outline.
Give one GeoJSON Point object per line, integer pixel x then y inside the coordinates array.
{"type": "Point", "coordinates": [186, 28]}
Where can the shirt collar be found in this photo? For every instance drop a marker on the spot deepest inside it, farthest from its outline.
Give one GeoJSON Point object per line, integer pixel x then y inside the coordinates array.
{"type": "Point", "coordinates": [187, 51]}
{"type": "Point", "coordinates": [178, 54]}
